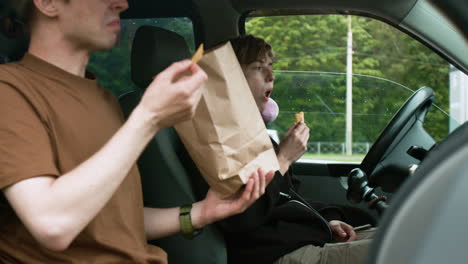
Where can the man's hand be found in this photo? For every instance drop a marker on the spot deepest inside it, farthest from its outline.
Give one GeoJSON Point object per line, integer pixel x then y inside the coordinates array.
{"type": "Point", "coordinates": [174, 94]}
{"type": "Point", "coordinates": [162, 222]}
{"type": "Point", "coordinates": [293, 145]}
{"type": "Point", "coordinates": [213, 208]}
{"type": "Point", "coordinates": [342, 232]}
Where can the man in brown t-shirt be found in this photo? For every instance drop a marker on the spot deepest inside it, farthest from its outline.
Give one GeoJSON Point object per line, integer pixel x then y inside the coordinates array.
{"type": "Point", "coordinates": [71, 191]}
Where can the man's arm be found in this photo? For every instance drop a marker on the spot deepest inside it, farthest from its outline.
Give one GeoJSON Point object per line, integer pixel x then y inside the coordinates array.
{"type": "Point", "coordinates": [164, 222]}
{"type": "Point", "coordinates": [56, 210]}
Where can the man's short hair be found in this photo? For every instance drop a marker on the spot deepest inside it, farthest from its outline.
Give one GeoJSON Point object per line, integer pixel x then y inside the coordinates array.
{"type": "Point", "coordinates": [15, 18]}
{"type": "Point", "coordinates": [249, 48]}
{"type": "Point", "coordinates": [22, 10]}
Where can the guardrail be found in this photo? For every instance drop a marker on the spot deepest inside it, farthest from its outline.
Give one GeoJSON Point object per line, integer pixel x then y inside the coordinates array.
{"type": "Point", "coordinates": [324, 147]}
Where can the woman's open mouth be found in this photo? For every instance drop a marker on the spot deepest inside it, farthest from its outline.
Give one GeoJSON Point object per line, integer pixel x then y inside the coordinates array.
{"type": "Point", "coordinates": [268, 93]}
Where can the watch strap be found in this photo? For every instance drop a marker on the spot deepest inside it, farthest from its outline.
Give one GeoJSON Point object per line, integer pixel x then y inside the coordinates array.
{"type": "Point", "coordinates": [185, 218]}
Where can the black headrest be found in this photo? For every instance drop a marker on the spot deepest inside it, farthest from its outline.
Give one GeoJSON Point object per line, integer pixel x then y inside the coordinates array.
{"type": "Point", "coordinates": [153, 50]}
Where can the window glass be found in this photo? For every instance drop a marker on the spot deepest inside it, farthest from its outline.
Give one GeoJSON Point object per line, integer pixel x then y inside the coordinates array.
{"type": "Point", "coordinates": [113, 67]}
{"type": "Point", "coordinates": [310, 69]}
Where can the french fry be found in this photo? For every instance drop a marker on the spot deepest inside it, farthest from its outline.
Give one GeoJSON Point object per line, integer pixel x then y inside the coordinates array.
{"type": "Point", "coordinates": [299, 117]}
{"type": "Point", "coordinates": [198, 54]}
{"type": "Point", "coordinates": [195, 59]}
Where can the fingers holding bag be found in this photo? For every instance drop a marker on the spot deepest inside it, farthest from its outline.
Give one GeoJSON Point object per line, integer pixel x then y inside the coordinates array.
{"type": "Point", "coordinates": [174, 94]}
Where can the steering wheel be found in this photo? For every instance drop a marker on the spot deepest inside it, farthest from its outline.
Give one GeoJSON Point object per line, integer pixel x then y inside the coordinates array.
{"type": "Point", "coordinates": [402, 143]}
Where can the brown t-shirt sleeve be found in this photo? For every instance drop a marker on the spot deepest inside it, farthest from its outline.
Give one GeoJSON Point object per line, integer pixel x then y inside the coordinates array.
{"type": "Point", "coordinates": [25, 146]}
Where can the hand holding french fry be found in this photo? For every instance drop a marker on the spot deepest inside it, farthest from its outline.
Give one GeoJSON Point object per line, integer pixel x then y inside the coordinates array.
{"type": "Point", "coordinates": [294, 143]}
{"type": "Point", "coordinates": [174, 94]}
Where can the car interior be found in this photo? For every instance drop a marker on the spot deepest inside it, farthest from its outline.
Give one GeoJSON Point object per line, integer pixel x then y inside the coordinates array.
{"type": "Point", "coordinates": [425, 206]}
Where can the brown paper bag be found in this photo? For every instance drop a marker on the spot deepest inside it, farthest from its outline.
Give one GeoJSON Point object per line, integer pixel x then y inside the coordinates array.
{"type": "Point", "coordinates": [227, 138]}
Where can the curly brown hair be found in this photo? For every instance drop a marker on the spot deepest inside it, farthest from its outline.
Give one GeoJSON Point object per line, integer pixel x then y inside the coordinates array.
{"type": "Point", "coordinates": [249, 48]}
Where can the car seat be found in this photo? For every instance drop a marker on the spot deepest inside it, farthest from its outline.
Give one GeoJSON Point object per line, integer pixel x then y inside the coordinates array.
{"type": "Point", "coordinates": [166, 169]}
{"type": "Point", "coordinates": [425, 222]}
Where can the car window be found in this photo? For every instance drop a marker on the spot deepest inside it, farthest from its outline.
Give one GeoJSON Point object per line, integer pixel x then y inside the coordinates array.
{"type": "Point", "coordinates": [113, 67]}
{"type": "Point", "coordinates": [310, 66]}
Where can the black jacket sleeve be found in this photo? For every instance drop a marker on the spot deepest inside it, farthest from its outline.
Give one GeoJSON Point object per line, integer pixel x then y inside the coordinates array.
{"type": "Point", "coordinates": [258, 213]}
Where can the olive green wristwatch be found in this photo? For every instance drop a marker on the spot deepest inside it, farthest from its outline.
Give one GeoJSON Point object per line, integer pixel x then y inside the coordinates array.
{"type": "Point", "coordinates": [186, 227]}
